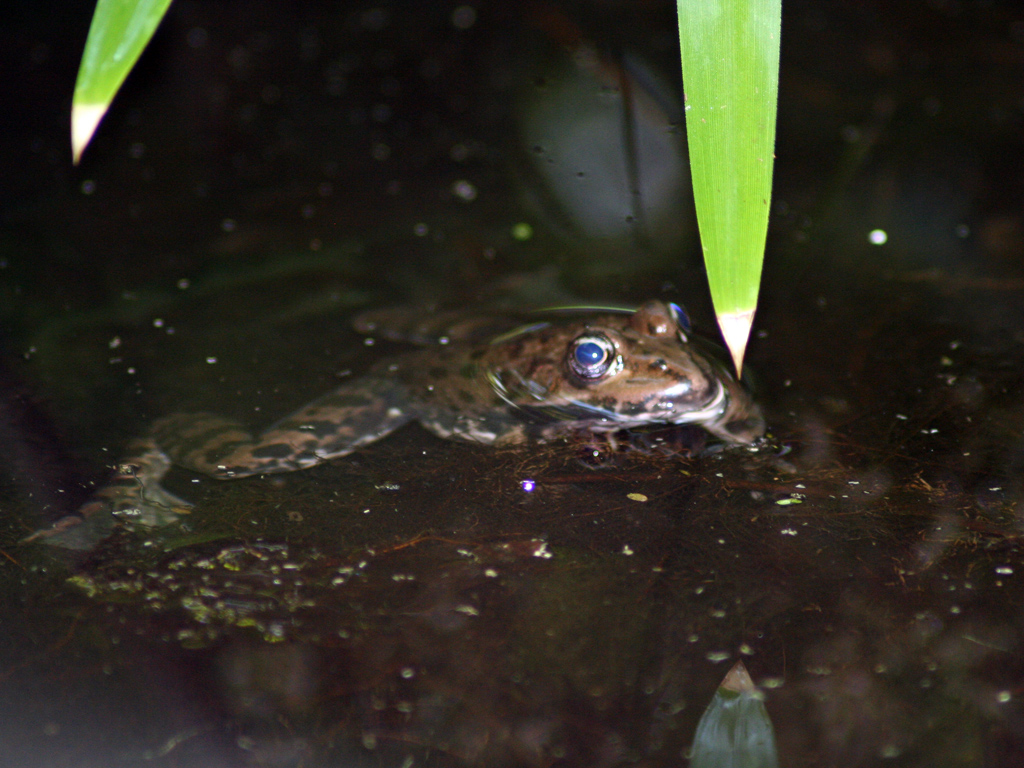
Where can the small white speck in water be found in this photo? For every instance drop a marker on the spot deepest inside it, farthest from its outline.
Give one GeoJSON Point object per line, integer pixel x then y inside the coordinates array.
{"type": "Point", "coordinates": [464, 190]}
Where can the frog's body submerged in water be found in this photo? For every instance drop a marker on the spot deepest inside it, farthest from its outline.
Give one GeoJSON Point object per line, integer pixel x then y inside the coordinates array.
{"type": "Point", "coordinates": [598, 371]}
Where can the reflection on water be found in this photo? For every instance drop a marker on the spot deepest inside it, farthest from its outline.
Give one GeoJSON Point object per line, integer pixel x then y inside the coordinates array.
{"type": "Point", "coordinates": [441, 614]}
{"type": "Point", "coordinates": [735, 728]}
{"type": "Point", "coordinates": [423, 602]}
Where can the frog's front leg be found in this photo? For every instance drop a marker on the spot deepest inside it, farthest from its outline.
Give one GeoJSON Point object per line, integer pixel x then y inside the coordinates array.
{"type": "Point", "coordinates": [328, 428]}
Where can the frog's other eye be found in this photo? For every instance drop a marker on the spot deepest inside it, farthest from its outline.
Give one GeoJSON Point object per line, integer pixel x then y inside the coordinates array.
{"type": "Point", "coordinates": [591, 356]}
{"type": "Point", "coordinates": [679, 315]}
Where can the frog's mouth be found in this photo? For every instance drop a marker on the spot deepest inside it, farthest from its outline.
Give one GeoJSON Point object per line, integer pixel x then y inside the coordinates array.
{"type": "Point", "coordinates": [712, 409]}
{"type": "Point", "coordinates": [674, 405]}
{"type": "Point", "coordinates": [601, 418]}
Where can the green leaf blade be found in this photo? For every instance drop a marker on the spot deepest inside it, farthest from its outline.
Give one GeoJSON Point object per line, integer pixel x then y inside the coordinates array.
{"type": "Point", "coordinates": [119, 32]}
{"type": "Point", "coordinates": [730, 58]}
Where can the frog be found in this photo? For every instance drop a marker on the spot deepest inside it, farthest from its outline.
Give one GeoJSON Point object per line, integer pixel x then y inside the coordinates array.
{"type": "Point", "coordinates": [487, 379]}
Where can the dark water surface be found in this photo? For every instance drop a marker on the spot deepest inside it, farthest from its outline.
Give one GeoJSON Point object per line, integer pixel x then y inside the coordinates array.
{"type": "Point", "coordinates": [271, 170]}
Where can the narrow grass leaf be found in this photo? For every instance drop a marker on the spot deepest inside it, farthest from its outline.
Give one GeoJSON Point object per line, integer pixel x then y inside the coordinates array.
{"type": "Point", "coordinates": [730, 58]}
{"type": "Point", "coordinates": [119, 32]}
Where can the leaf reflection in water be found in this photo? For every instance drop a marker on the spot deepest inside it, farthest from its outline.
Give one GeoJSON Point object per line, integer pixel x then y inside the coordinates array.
{"type": "Point", "coordinates": [735, 729]}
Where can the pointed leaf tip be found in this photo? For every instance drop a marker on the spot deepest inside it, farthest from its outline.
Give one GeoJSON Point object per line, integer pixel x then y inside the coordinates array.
{"type": "Point", "coordinates": [119, 32]}
{"type": "Point", "coordinates": [735, 328]}
{"type": "Point", "coordinates": [84, 119]}
{"type": "Point", "coordinates": [735, 729]}
{"type": "Point", "coordinates": [738, 679]}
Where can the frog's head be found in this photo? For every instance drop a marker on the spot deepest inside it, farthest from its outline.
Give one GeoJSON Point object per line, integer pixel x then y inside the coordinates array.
{"type": "Point", "coordinates": [627, 370]}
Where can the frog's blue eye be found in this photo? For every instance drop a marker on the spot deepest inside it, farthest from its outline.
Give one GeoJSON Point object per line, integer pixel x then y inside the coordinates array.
{"type": "Point", "coordinates": [591, 356]}
{"type": "Point", "coordinates": [679, 314]}
{"type": "Point", "coordinates": [590, 353]}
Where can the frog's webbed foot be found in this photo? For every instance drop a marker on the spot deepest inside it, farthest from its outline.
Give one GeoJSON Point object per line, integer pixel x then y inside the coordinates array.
{"type": "Point", "coordinates": [133, 495]}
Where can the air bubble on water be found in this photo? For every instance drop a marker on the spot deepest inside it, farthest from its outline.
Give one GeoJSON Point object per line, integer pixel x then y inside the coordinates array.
{"type": "Point", "coordinates": [464, 190]}
{"type": "Point", "coordinates": [522, 231]}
